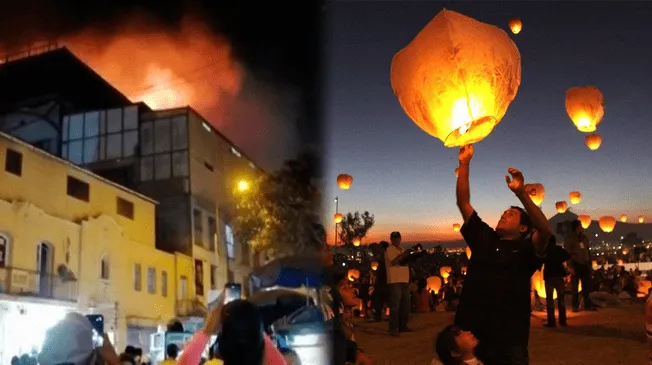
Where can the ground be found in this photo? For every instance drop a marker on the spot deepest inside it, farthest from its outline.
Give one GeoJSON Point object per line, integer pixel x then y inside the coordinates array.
{"type": "Point", "coordinates": [609, 336]}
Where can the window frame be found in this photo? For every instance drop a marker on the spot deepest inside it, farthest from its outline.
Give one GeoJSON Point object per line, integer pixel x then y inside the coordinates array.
{"type": "Point", "coordinates": [172, 151]}
{"type": "Point", "coordinates": [69, 189]}
{"type": "Point", "coordinates": [13, 166]}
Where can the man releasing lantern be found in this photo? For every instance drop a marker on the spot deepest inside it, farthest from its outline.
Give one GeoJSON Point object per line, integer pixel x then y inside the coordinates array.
{"type": "Point", "coordinates": [516, 25]}
{"type": "Point", "coordinates": [451, 92]}
{"type": "Point", "coordinates": [607, 224]}
{"type": "Point", "coordinates": [593, 141]}
{"type": "Point", "coordinates": [585, 220]}
{"type": "Point", "coordinates": [575, 197]}
{"type": "Point", "coordinates": [585, 107]}
{"type": "Point", "coordinates": [537, 192]}
{"type": "Point", "coordinates": [561, 206]}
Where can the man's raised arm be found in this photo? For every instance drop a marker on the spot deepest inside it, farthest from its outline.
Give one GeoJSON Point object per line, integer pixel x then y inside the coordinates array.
{"type": "Point", "coordinates": [463, 192]}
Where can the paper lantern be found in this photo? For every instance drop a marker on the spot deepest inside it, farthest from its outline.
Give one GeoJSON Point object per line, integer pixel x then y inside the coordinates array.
{"type": "Point", "coordinates": [538, 284]}
{"type": "Point", "coordinates": [445, 272]}
{"type": "Point", "coordinates": [374, 266]}
{"type": "Point", "coordinates": [433, 284]}
{"type": "Point", "coordinates": [537, 192]}
{"type": "Point", "coordinates": [338, 217]}
{"type": "Point", "coordinates": [468, 252]}
{"type": "Point", "coordinates": [607, 223]}
{"type": "Point", "coordinates": [456, 227]}
{"type": "Point", "coordinates": [561, 206]}
{"type": "Point", "coordinates": [641, 219]}
{"type": "Point", "coordinates": [516, 26]}
{"type": "Point", "coordinates": [344, 181]}
{"type": "Point", "coordinates": [585, 220]}
{"type": "Point", "coordinates": [356, 242]}
{"type": "Point", "coordinates": [625, 251]}
{"type": "Point", "coordinates": [594, 263]}
{"type": "Point", "coordinates": [463, 270]}
{"type": "Point", "coordinates": [585, 107]}
{"type": "Point", "coordinates": [446, 78]}
{"type": "Point", "coordinates": [593, 141]}
{"type": "Point", "coordinates": [575, 197]}
{"type": "Point", "coordinates": [353, 274]}
{"type": "Point", "coordinates": [643, 287]}
{"type": "Point", "coordinates": [621, 263]}
{"type": "Point", "coordinates": [623, 218]}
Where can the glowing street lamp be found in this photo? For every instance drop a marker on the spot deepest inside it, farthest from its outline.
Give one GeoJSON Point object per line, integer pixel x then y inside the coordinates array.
{"type": "Point", "coordinates": [243, 185]}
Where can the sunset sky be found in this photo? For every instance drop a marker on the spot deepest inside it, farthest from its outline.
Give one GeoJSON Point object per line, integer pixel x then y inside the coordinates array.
{"type": "Point", "coordinates": [406, 177]}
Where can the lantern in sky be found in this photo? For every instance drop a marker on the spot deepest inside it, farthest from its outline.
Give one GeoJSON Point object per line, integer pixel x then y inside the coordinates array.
{"type": "Point", "coordinates": [593, 141]}
{"type": "Point", "coordinates": [607, 223]}
{"type": "Point", "coordinates": [338, 217]}
{"type": "Point", "coordinates": [516, 25]}
{"type": "Point", "coordinates": [433, 284]}
{"type": "Point", "coordinates": [451, 92]}
{"type": "Point", "coordinates": [468, 252]}
{"type": "Point", "coordinates": [585, 220]}
{"type": "Point", "coordinates": [623, 218]}
{"type": "Point", "coordinates": [585, 107]}
{"type": "Point", "coordinates": [625, 251]}
{"type": "Point", "coordinates": [356, 242]}
{"type": "Point", "coordinates": [353, 274]}
{"type": "Point", "coordinates": [374, 266]}
{"type": "Point", "coordinates": [537, 192]}
{"type": "Point", "coordinates": [344, 181]}
{"type": "Point", "coordinates": [456, 227]}
{"type": "Point", "coordinates": [575, 197]}
{"type": "Point", "coordinates": [561, 206]}
{"type": "Point", "coordinates": [641, 219]}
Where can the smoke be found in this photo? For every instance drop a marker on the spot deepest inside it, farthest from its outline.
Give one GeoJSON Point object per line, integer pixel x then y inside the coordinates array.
{"type": "Point", "coordinates": [190, 64]}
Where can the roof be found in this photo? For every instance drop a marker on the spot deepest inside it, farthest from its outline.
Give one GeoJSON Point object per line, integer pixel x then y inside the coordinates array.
{"type": "Point", "coordinates": [75, 167]}
{"type": "Point", "coordinates": [56, 73]}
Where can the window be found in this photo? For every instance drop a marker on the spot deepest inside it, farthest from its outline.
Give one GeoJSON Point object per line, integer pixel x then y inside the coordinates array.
{"type": "Point", "coordinates": [164, 283]}
{"type": "Point", "coordinates": [213, 277]}
{"type": "Point", "coordinates": [212, 233]}
{"type": "Point", "coordinates": [230, 242]}
{"type": "Point", "coordinates": [164, 148]}
{"type": "Point", "coordinates": [78, 189]}
{"type": "Point", "coordinates": [162, 134]}
{"type": "Point", "coordinates": [104, 268]}
{"type": "Point", "coordinates": [125, 208]}
{"type": "Point", "coordinates": [151, 280]}
{"type": "Point", "coordinates": [180, 164]}
{"type": "Point", "coordinates": [162, 166]}
{"type": "Point", "coordinates": [138, 280]}
{"type": "Point", "coordinates": [14, 162]}
{"type": "Point", "coordinates": [146, 138]}
{"type": "Point", "coordinates": [147, 168]}
{"type": "Point", "coordinates": [198, 227]}
{"type": "Point", "coordinates": [4, 251]}
{"type": "Point", "coordinates": [179, 133]}
{"type": "Point", "coordinates": [183, 288]}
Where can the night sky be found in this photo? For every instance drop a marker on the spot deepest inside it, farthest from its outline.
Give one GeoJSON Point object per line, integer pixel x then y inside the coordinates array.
{"type": "Point", "coordinates": [406, 177]}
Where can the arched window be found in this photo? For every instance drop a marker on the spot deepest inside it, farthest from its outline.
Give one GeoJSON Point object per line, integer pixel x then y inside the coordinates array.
{"type": "Point", "coordinates": [104, 268]}
{"type": "Point", "coordinates": [4, 250]}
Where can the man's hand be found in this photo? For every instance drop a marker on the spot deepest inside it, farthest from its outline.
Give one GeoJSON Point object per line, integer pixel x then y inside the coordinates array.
{"type": "Point", "coordinates": [517, 182]}
{"type": "Point", "coordinates": [466, 154]}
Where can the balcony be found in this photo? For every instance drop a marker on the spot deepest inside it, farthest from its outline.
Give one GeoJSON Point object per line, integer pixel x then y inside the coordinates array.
{"type": "Point", "coordinates": [30, 283]}
{"type": "Point", "coordinates": [190, 308]}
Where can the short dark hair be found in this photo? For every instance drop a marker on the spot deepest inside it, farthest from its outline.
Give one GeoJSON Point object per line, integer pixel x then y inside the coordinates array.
{"type": "Point", "coordinates": [384, 244]}
{"type": "Point", "coordinates": [574, 224]}
{"type": "Point", "coordinates": [446, 344]}
{"type": "Point", "coordinates": [172, 351]}
{"type": "Point", "coordinates": [525, 218]}
{"type": "Point", "coordinates": [395, 234]}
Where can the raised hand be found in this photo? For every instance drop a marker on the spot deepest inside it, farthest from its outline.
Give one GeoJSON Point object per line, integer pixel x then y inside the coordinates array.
{"type": "Point", "coordinates": [466, 154]}
{"type": "Point", "coordinates": [517, 182]}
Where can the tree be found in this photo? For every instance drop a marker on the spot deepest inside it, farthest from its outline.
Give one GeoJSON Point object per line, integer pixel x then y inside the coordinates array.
{"type": "Point", "coordinates": [355, 225]}
{"type": "Point", "coordinates": [631, 240]}
{"type": "Point", "coordinates": [275, 215]}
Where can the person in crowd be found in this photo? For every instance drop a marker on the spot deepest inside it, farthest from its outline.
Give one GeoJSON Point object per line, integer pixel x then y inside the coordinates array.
{"type": "Point", "coordinates": [171, 354]}
{"type": "Point", "coordinates": [15, 360]}
{"type": "Point", "coordinates": [553, 276]}
{"type": "Point", "coordinates": [379, 297]}
{"type": "Point", "coordinates": [422, 297]}
{"type": "Point", "coordinates": [495, 302]}
{"type": "Point", "coordinates": [398, 279]}
{"type": "Point", "coordinates": [455, 346]}
{"type": "Point", "coordinates": [71, 342]}
{"type": "Point", "coordinates": [577, 246]}
{"type": "Point", "coordinates": [212, 357]}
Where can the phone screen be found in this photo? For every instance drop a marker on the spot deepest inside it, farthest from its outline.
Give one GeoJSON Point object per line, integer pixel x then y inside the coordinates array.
{"type": "Point", "coordinates": [232, 291]}
{"type": "Point", "coordinates": [97, 322]}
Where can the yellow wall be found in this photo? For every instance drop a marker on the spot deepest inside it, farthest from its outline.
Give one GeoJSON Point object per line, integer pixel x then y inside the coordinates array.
{"type": "Point", "coordinates": [44, 180]}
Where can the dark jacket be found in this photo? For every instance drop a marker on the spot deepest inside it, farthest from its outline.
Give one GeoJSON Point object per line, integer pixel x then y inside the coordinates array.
{"type": "Point", "coordinates": [554, 261]}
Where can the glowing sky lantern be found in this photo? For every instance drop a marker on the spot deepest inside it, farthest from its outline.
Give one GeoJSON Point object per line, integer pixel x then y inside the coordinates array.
{"type": "Point", "coordinates": [537, 192]}
{"type": "Point", "coordinates": [625, 251]}
{"type": "Point", "coordinates": [338, 217]}
{"type": "Point", "coordinates": [585, 107]}
{"type": "Point", "coordinates": [561, 206]}
{"type": "Point", "coordinates": [344, 181]}
{"type": "Point", "coordinates": [585, 220]}
{"type": "Point", "coordinates": [468, 252]}
{"type": "Point", "coordinates": [641, 219]}
{"type": "Point", "coordinates": [607, 223]}
{"type": "Point", "coordinates": [593, 141]}
{"type": "Point", "coordinates": [434, 284]}
{"type": "Point", "coordinates": [516, 25]}
{"type": "Point", "coordinates": [621, 263]}
{"type": "Point", "coordinates": [623, 218]}
{"type": "Point", "coordinates": [445, 272]}
{"type": "Point", "coordinates": [575, 197]}
{"type": "Point", "coordinates": [456, 227]}
{"type": "Point", "coordinates": [353, 274]}
{"type": "Point", "coordinates": [356, 242]}
{"type": "Point", "coordinates": [374, 266]}
{"type": "Point", "coordinates": [451, 92]}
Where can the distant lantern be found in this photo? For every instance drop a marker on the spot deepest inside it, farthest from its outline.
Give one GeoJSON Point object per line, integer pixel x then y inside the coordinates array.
{"type": "Point", "coordinates": [575, 197]}
{"type": "Point", "coordinates": [641, 219]}
{"type": "Point", "coordinates": [594, 263]}
{"type": "Point", "coordinates": [374, 266]}
{"type": "Point", "coordinates": [468, 252]}
{"type": "Point", "coordinates": [537, 192]}
{"type": "Point", "coordinates": [623, 218]}
{"type": "Point", "coordinates": [585, 107]}
{"type": "Point", "coordinates": [625, 251]}
{"type": "Point", "coordinates": [607, 223]}
{"type": "Point", "coordinates": [356, 242]}
{"type": "Point", "coordinates": [516, 25]}
{"type": "Point", "coordinates": [561, 206]}
{"type": "Point", "coordinates": [621, 263]}
{"type": "Point", "coordinates": [353, 274]}
{"type": "Point", "coordinates": [585, 220]}
{"type": "Point", "coordinates": [433, 284]}
{"type": "Point", "coordinates": [344, 181]}
{"type": "Point", "coordinates": [593, 141]}
{"type": "Point", "coordinates": [463, 269]}
{"type": "Point", "coordinates": [456, 227]}
{"type": "Point", "coordinates": [338, 217]}
{"type": "Point", "coordinates": [451, 92]}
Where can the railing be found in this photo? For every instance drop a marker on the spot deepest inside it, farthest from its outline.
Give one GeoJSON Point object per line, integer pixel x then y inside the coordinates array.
{"type": "Point", "coordinates": [190, 308]}
{"type": "Point", "coordinates": [16, 281]}
{"type": "Point", "coordinates": [31, 50]}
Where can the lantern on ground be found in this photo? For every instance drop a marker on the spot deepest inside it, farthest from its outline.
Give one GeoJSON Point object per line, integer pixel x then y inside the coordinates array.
{"type": "Point", "coordinates": [585, 107]}
{"type": "Point", "coordinates": [445, 272]}
{"type": "Point", "coordinates": [585, 220]}
{"type": "Point", "coordinates": [561, 206]}
{"type": "Point", "coordinates": [338, 217]}
{"type": "Point", "coordinates": [374, 266]}
{"type": "Point", "coordinates": [537, 192]}
{"type": "Point", "coordinates": [451, 92]}
{"type": "Point", "coordinates": [607, 224]}
{"type": "Point", "coordinates": [593, 141]}
{"type": "Point", "coordinates": [625, 251]}
{"type": "Point", "coordinates": [621, 263]}
{"type": "Point", "coordinates": [433, 284]}
{"type": "Point", "coordinates": [344, 181]}
{"type": "Point", "coordinates": [538, 284]}
{"type": "Point", "coordinates": [463, 270]}
{"type": "Point", "coordinates": [456, 227]}
{"type": "Point", "coordinates": [516, 25]}
{"type": "Point", "coordinates": [594, 263]}
{"type": "Point", "coordinates": [353, 274]}
{"type": "Point", "coordinates": [623, 218]}
{"type": "Point", "coordinates": [641, 219]}
{"type": "Point", "coordinates": [575, 197]}
{"type": "Point", "coordinates": [356, 242]}
{"type": "Point", "coordinates": [468, 252]}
